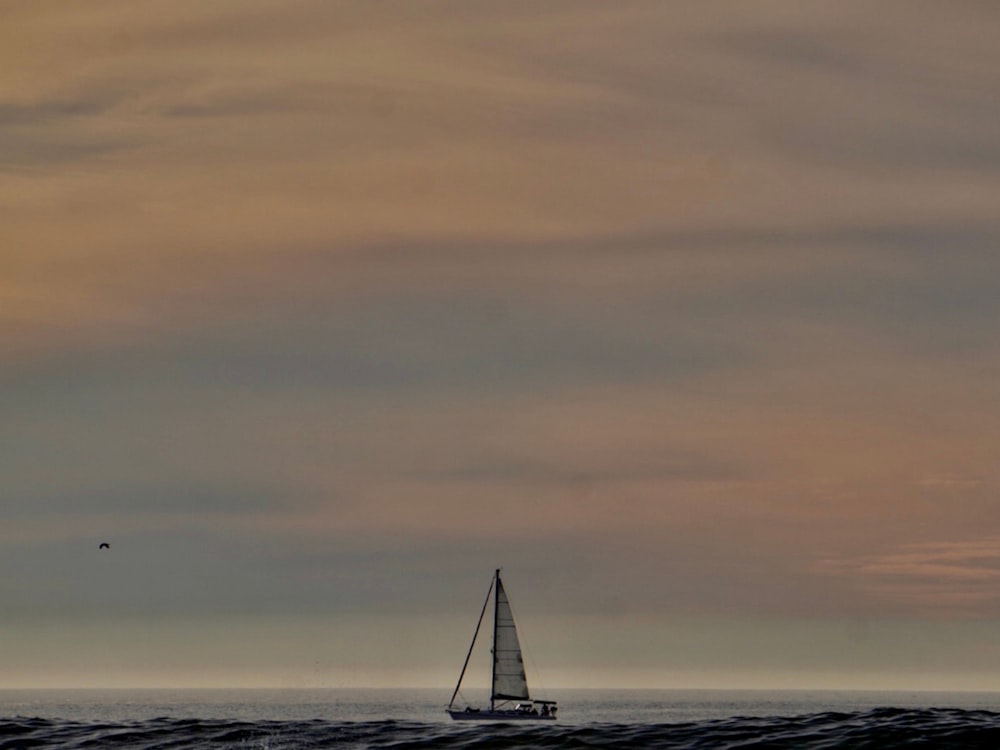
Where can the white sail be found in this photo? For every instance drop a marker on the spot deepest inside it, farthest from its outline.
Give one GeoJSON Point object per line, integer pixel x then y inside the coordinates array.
{"type": "Point", "coordinates": [509, 682]}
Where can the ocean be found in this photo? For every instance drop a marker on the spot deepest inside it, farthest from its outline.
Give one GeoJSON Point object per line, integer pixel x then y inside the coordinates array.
{"type": "Point", "coordinates": [340, 718]}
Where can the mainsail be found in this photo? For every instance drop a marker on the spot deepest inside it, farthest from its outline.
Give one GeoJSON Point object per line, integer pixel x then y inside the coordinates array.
{"type": "Point", "coordinates": [509, 682]}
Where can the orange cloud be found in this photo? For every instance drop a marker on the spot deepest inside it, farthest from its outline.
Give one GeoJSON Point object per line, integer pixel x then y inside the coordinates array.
{"type": "Point", "coordinates": [938, 578]}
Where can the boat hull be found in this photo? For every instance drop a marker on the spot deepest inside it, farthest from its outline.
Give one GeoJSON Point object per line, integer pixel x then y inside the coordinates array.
{"type": "Point", "coordinates": [497, 716]}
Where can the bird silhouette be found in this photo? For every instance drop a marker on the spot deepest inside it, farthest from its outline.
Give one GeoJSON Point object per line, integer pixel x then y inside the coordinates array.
{"type": "Point", "coordinates": [104, 545]}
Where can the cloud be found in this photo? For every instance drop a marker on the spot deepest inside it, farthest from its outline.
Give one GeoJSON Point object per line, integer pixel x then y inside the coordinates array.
{"type": "Point", "coordinates": [949, 579]}
{"type": "Point", "coordinates": [330, 308]}
{"type": "Point", "coordinates": [877, 100]}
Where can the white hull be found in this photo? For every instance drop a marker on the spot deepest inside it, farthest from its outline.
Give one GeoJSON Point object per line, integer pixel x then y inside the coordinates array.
{"type": "Point", "coordinates": [497, 716]}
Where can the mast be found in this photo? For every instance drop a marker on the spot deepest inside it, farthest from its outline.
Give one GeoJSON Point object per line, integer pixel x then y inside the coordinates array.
{"type": "Point", "coordinates": [493, 651]}
{"type": "Point", "coordinates": [472, 645]}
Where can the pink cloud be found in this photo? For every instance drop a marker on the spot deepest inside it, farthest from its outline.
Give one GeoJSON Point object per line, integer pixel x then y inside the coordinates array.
{"type": "Point", "coordinates": [952, 578]}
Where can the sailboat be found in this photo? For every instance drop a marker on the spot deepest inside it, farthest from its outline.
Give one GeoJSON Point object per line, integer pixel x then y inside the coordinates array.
{"type": "Point", "coordinates": [509, 697]}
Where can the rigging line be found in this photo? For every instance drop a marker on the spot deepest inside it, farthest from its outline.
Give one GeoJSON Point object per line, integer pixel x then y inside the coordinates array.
{"type": "Point", "coordinates": [472, 645]}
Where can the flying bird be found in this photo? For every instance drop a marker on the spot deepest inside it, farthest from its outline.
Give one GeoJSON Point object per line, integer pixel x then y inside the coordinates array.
{"type": "Point", "coordinates": [104, 545]}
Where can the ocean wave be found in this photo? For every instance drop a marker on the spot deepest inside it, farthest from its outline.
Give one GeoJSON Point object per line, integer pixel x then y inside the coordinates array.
{"type": "Point", "coordinates": [883, 728]}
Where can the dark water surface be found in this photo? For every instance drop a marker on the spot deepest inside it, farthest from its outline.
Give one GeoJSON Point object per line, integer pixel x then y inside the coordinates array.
{"type": "Point", "coordinates": [153, 719]}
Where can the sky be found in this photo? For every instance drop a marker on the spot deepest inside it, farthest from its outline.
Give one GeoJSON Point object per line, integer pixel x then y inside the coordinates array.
{"type": "Point", "coordinates": [686, 315]}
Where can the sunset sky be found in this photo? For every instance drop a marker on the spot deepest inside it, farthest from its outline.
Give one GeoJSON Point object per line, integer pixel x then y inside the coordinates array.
{"type": "Point", "coordinates": [686, 314]}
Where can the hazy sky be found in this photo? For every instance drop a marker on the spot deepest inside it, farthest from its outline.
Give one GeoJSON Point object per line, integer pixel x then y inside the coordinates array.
{"type": "Point", "coordinates": [687, 314]}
